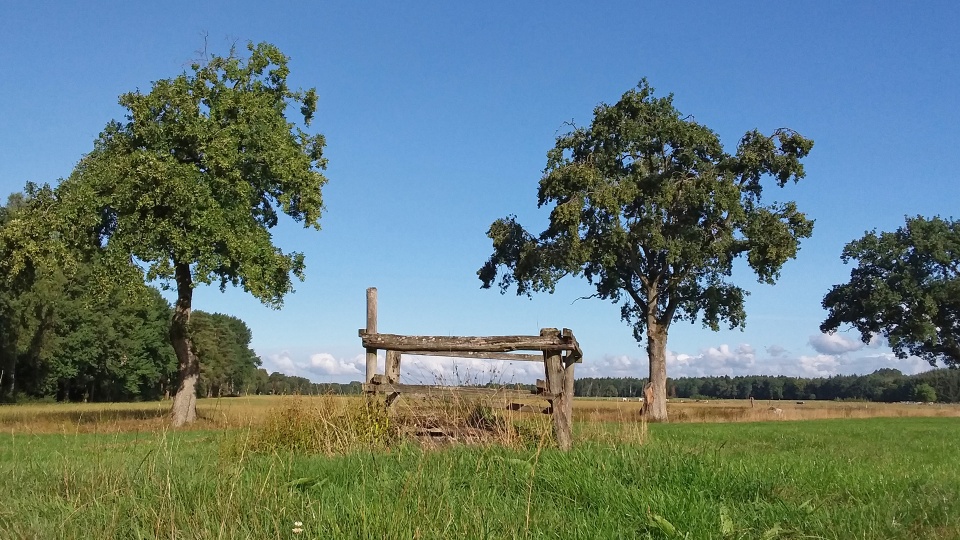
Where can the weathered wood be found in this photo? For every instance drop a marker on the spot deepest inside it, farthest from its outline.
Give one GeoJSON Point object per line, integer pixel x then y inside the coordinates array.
{"type": "Point", "coordinates": [484, 355]}
{"type": "Point", "coordinates": [575, 354]}
{"type": "Point", "coordinates": [392, 368]}
{"type": "Point", "coordinates": [648, 398]}
{"type": "Point", "coordinates": [566, 399]}
{"type": "Point", "coordinates": [561, 402]}
{"type": "Point", "coordinates": [428, 390]}
{"type": "Point", "coordinates": [391, 375]}
{"type": "Point", "coordinates": [412, 344]}
{"type": "Point", "coordinates": [372, 329]}
{"type": "Point", "coordinates": [522, 407]}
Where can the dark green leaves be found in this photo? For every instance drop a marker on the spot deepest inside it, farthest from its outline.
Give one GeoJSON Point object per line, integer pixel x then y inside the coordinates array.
{"type": "Point", "coordinates": [201, 170]}
{"type": "Point", "coordinates": [648, 206]}
{"type": "Point", "coordinates": [906, 287]}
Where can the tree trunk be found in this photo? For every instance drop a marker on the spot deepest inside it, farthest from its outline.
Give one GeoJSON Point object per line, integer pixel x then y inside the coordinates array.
{"type": "Point", "coordinates": [185, 402]}
{"type": "Point", "coordinates": [657, 354]}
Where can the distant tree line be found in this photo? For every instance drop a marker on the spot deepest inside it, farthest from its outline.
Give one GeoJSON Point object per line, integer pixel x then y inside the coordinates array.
{"type": "Point", "coordinates": [70, 332]}
{"type": "Point", "coordinates": [883, 385]}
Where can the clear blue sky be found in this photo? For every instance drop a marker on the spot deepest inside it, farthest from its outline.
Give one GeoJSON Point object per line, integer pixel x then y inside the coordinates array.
{"type": "Point", "coordinates": [438, 118]}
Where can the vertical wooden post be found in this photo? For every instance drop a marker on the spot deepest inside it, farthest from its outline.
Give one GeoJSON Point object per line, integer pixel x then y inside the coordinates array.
{"type": "Point", "coordinates": [392, 368]}
{"type": "Point", "coordinates": [562, 402]}
{"type": "Point", "coordinates": [567, 400]}
{"type": "Point", "coordinates": [371, 329]}
{"type": "Point", "coordinates": [391, 371]}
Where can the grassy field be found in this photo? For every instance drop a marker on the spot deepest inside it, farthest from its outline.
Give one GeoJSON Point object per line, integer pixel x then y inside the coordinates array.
{"type": "Point", "coordinates": [116, 472]}
{"type": "Point", "coordinates": [246, 411]}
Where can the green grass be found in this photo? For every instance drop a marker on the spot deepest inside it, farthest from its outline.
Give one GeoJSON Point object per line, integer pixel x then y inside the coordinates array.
{"type": "Point", "coordinates": [843, 479]}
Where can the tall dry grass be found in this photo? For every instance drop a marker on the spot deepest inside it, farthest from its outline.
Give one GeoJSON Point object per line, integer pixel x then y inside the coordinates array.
{"type": "Point", "coordinates": [714, 411]}
{"type": "Point", "coordinates": [413, 413]}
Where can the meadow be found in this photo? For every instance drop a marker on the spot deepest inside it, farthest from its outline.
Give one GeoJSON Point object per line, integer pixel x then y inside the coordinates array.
{"type": "Point", "coordinates": [725, 470]}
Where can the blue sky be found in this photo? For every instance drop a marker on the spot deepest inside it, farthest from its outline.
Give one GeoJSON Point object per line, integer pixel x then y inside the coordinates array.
{"type": "Point", "coordinates": [439, 115]}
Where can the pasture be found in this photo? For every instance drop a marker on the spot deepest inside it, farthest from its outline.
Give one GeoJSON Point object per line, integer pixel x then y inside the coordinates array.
{"type": "Point", "coordinates": [845, 471]}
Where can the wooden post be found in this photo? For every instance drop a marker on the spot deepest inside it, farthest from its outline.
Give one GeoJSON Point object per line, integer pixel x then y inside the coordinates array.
{"type": "Point", "coordinates": [371, 329]}
{"type": "Point", "coordinates": [566, 400]}
{"type": "Point", "coordinates": [562, 404]}
{"type": "Point", "coordinates": [392, 368]}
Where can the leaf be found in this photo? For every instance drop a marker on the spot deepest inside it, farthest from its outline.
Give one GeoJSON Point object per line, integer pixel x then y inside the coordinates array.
{"type": "Point", "coordinates": [727, 528]}
{"type": "Point", "coordinates": [661, 524]}
{"type": "Point", "coordinates": [772, 532]}
{"type": "Point", "coordinates": [307, 483]}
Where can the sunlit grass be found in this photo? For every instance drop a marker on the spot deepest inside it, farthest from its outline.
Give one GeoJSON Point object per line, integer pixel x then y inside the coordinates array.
{"type": "Point", "coordinates": [876, 478]}
{"type": "Point", "coordinates": [220, 413]}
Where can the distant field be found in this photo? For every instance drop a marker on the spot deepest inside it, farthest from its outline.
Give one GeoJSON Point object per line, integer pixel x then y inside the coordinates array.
{"type": "Point", "coordinates": [245, 411]}
{"type": "Point", "coordinates": [880, 478]}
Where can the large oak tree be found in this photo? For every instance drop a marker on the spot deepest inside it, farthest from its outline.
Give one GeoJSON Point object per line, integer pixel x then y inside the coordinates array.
{"type": "Point", "coordinates": [905, 287]}
{"type": "Point", "coordinates": [191, 182]}
{"type": "Point", "coordinates": [650, 209]}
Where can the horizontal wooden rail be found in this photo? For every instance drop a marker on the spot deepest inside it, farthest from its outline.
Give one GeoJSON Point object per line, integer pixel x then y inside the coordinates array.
{"type": "Point", "coordinates": [511, 357]}
{"type": "Point", "coordinates": [413, 344]}
{"type": "Point", "coordinates": [428, 390]}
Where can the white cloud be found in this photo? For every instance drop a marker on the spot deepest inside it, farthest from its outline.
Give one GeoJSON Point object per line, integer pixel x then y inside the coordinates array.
{"type": "Point", "coordinates": [776, 351]}
{"type": "Point", "coordinates": [326, 364]}
{"type": "Point", "coordinates": [834, 344]}
{"type": "Point", "coordinates": [821, 365]}
{"type": "Point", "coordinates": [744, 360]}
{"type": "Point", "coordinates": [320, 367]}
{"type": "Point", "coordinates": [868, 364]}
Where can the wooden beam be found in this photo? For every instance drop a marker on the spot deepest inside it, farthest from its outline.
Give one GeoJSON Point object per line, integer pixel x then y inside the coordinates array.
{"type": "Point", "coordinates": [411, 344]}
{"type": "Point", "coordinates": [510, 357]}
{"type": "Point", "coordinates": [428, 390]}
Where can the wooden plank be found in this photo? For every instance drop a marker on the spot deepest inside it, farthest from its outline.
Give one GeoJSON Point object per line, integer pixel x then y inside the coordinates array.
{"type": "Point", "coordinates": [371, 328]}
{"type": "Point", "coordinates": [510, 357]}
{"type": "Point", "coordinates": [411, 344]}
{"type": "Point", "coordinates": [429, 390]}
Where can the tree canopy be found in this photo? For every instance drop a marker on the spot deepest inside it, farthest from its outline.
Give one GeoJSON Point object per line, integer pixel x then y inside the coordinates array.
{"type": "Point", "coordinates": [653, 212]}
{"type": "Point", "coordinates": [905, 287]}
{"type": "Point", "coordinates": [65, 331]}
{"type": "Point", "coordinates": [190, 184]}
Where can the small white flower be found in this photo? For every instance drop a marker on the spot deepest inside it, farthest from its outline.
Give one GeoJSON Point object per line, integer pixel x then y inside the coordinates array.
{"type": "Point", "coordinates": [298, 524]}
{"type": "Point", "coordinates": [297, 530]}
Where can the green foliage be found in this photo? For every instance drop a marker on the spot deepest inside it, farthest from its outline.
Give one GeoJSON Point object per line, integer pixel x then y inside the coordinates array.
{"type": "Point", "coordinates": [906, 287]}
{"type": "Point", "coordinates": [650, 209]}
{"type": "Point", "coordinates": [883, 385]}
{"type": "Point", "coordinates": [228, 366]}
{"type": "Point", "coordinates": [68, 331]}
{"type": "Point", "coordinates": [190, 184]}
{"type": "Point", "coordinates": [925, 393]}
{"type": "Point", "coordinates": [198, 173]}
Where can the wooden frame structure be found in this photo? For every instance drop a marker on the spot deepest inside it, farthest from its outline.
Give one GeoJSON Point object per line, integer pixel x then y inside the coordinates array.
{"type": "Point", "coordinates": [559, 352]}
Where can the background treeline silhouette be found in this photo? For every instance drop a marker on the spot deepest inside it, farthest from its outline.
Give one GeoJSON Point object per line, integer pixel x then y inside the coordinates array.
{"type": "Point", "coordinates": [884, 385]}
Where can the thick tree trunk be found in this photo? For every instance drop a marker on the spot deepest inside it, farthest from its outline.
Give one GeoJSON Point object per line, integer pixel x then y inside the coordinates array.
{"type": "Point", "coordinates": [185, 402]}
{"type": "Point", "coordinates": [656, 411]}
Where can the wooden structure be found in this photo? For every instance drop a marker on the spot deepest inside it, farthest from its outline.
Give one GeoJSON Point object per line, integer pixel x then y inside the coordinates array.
{"type": "Point", "coordinates": [558, 350]}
